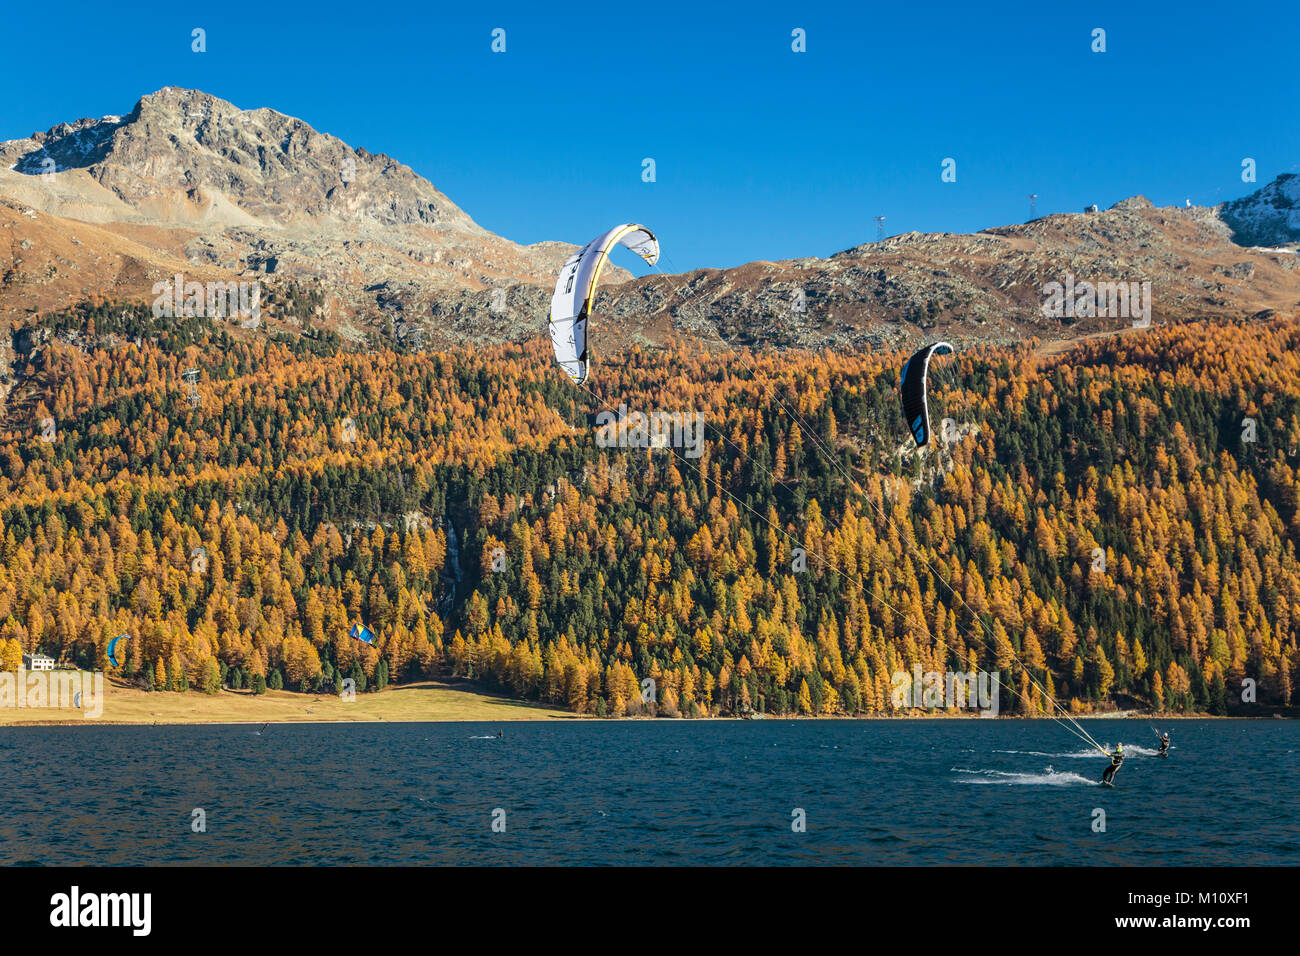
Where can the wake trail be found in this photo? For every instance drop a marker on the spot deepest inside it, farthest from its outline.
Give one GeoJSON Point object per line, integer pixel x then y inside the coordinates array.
{"type": "Point", "coordinates": [1048, 778]}
{"type": "Point", "coordinates": [1130, 750]}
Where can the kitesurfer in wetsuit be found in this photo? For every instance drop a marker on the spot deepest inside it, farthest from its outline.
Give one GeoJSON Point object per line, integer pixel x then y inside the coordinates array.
{"type": "Point", "coordinates": [1116, 759]}
{"type": "Point", "coordinates": [1164, 743]}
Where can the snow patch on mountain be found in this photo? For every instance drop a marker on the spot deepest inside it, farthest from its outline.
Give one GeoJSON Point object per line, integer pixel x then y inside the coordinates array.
{"type": "Point", "coordinates": [1268, 217]}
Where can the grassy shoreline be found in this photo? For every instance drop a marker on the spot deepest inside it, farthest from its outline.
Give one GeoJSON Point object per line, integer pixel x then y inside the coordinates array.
{"type": "Point", "coordinates": [426, 701]}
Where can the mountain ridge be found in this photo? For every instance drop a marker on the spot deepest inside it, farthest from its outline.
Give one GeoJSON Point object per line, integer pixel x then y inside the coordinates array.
{"type": "Point", "coordinates": [258, 192]}
{"type": "Point", "coordinates": [106, 208]}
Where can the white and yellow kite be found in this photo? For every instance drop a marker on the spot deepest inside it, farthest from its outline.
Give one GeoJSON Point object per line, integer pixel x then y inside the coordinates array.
{"type": "Point", "coordinates": [574, 289]}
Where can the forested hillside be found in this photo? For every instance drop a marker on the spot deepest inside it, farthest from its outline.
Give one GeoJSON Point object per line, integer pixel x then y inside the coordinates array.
{"type": "Point", "coordinates": [1122, 516]}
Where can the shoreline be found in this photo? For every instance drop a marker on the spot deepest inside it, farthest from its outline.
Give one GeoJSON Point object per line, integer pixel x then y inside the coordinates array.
{"type": "Point", "coordinates": [423, 702]}
{"type": "Point", "coordinates": [117, 703]}
{"type": "Point", "coordinates": [511, 714]}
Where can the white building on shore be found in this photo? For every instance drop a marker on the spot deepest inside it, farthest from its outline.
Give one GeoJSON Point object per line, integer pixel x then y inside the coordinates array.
{"type": "Point", "coordinates": [38, 662]}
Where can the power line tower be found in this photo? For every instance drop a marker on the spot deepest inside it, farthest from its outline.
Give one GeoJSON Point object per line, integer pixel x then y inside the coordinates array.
{"type": "Point", "coordinates": [1033, 205]}
{"type": "Point", "coordinates": [880, 228]}
{"type": "Point", "coordinates": [190, 377]}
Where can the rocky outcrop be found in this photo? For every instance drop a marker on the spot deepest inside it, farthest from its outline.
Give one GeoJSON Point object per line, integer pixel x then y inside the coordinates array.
{"type": "Point", "coordinates": [1269, 217]}
{"type": "Point", "coordinates": [986, 286]}
{"type": "Point", "coordinates": [257, 191]}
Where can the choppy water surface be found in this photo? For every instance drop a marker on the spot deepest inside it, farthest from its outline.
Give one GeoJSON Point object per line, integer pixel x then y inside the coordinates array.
{"type": "Point", "coordinates": [650, 792]}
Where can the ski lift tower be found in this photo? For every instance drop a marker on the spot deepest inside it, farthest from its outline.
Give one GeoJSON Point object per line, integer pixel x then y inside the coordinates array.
{"type": "Point", "coordinates": [1033, 205]}
{"type": "Point", "coordinates": [880, 228]}
{"type": "Point", "coordinates": [190, 377]}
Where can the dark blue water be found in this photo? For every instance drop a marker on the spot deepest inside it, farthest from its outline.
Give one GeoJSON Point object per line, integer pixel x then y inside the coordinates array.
{"type": "Point", "coordinates": [650, 792]}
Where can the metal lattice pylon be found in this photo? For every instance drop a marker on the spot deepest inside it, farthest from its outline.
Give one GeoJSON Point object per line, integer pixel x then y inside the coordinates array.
{"type": "Point", "coordinates": [191, 377]}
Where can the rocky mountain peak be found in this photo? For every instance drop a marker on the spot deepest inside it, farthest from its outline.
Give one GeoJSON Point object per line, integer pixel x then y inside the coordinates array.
{"type": "Point", "coordinates": [184, 157]}
{"type": "Point", "coordinates": [190, 174]}
{"type": "Point", "coordinates": [1269, 216]}
{"type": "Point", "coordinates": [1134, 202]}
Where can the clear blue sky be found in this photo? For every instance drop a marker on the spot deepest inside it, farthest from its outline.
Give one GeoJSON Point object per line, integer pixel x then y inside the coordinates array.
{"type": "Point", "coordinates": [761, 153]}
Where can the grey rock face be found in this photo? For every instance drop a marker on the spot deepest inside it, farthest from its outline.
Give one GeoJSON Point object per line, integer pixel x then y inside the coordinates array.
{"type": "Point", "coordinates": [1268, 217]}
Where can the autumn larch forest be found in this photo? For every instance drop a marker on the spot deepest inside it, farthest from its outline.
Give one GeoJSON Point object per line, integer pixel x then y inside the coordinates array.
{"type": "Point", "coordinates": [1121, 516]}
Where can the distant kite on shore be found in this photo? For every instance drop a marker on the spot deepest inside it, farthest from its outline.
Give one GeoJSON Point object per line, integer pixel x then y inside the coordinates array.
{"type": "Point", "coordinates": [112, 649]}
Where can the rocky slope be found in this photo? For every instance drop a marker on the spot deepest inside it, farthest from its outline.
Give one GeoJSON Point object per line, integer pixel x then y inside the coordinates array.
{"type": "Point", "coordinates": [1269, 217]}
{"type": "Point", "coordinates": [190, 183]}
{"type": "Point", "coordinates": [986, 286]}
{"type": "Point", "coordinates": [188, 176]}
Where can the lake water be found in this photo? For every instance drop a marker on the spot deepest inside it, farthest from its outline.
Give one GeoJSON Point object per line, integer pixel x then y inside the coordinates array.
{"type": "Point", "coordinates": [1007, 792]}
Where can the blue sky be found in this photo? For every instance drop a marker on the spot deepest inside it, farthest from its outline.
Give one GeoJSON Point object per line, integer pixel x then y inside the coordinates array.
{"type": "Point", "coordinates": [760, 152]}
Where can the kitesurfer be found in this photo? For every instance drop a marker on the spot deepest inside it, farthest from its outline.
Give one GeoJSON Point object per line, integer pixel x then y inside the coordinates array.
{"type": "Point", "coordinates": [1116, 759]}
{"type": "Point", "coordinates": [1164, 744]}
